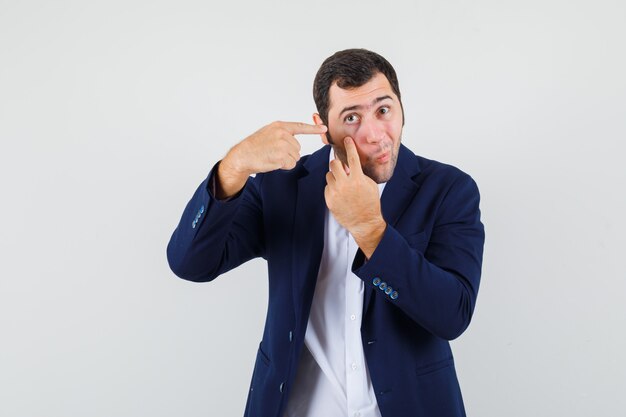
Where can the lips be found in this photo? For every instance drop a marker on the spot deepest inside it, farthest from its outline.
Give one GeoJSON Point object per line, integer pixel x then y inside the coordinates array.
{"type": "Point", "coordinates": [383, 158]}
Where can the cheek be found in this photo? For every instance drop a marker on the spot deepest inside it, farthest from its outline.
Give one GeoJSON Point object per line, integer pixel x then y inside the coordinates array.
{"type": "Point", "coordinates": [345, 130]}
{"type": "Point", "coordinates": [393, 128]}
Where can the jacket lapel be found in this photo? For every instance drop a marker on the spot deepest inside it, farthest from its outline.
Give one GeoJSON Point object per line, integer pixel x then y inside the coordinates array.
{"type": "Point", "coordinates": [308, 235]}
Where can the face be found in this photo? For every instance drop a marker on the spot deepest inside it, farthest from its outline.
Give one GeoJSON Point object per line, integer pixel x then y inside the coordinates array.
{"type": "Point", "coordinates": [371, 115]}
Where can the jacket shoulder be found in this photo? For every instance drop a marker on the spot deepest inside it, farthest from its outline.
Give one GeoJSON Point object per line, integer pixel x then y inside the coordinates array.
{"type": "Point", "coordinates": [431, 170]}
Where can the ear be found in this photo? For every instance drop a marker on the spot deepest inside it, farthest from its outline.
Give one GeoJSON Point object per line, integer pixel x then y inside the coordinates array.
{"type": "Point", "coordinates": [318, 121]}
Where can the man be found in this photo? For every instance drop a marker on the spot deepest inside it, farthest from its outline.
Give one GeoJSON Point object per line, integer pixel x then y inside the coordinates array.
{"type": "Point", "coordinates": [364, 290]}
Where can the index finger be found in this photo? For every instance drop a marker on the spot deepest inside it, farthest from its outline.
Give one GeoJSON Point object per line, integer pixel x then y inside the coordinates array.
{"type": "Point", "coordinates": [299, 128]}
{"type": "Point", "coordinates": [354, 162]}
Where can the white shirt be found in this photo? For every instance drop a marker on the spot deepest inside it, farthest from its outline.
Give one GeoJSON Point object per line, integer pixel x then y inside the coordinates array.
{"type": "Point", "coordinates": [332, 378]}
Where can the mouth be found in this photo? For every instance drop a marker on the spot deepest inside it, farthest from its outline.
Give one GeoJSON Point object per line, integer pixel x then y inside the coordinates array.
{"type": "Point", "coordinates": [383, 158]}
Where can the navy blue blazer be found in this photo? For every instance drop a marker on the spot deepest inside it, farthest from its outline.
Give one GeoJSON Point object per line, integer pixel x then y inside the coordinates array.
{"type": "Point", "coordinates": [421, 282]}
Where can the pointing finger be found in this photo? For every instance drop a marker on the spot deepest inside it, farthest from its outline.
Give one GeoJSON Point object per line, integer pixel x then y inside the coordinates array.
{"type": "Point", "coordinates": [298, 128]}
{"type": "Point", "coordinates": [353, 156]}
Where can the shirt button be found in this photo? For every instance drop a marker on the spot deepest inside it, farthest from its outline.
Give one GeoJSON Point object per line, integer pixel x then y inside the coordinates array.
{"type": "Point", "coordinates": [354, 366]}
{"type": "Point", "coordinates": [353, 317]}
{"type": "Point", "coordinates": [357, 414]}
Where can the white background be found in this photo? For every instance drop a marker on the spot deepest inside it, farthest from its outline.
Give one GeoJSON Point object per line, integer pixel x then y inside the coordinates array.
{"type": "Point", "coordinates": [112, 112]}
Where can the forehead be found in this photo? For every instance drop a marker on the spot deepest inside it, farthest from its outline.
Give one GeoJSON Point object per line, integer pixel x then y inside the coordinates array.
{"type": "Point", "coordinates": [377, 86]}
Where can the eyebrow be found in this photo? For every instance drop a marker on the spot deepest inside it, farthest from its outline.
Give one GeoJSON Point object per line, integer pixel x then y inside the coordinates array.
{"type": "Point", "coordinates": [358, 106]}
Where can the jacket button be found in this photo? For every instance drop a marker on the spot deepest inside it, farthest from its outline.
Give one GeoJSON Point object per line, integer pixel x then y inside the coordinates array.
{"type": "Point", "coordinates": [382, 286]}
{"type": "Point", "coordinates": [201, 209]}
{"type": "Point", "coordinates": [394, 295]}
{"type": "Point", "coordinates": [282, 386]}
{"type": "Point", "coordinates": [388, 290]}
{"type": "Point", "coordinates": [290, 336]}
{"type": "Point", "coordinates": [376, 281]}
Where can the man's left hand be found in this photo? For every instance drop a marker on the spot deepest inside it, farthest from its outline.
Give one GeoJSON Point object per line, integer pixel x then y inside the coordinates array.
{"type": "Point", "coordinates": [353, 199]}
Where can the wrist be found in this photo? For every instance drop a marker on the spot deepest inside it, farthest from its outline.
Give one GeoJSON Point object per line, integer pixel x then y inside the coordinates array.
{"type": "Point", "coordinates": [370, 236]}
{"type": "Point", "coordinates": [230, 178]}
{"type": "Point", "coordinates": [232, 166]}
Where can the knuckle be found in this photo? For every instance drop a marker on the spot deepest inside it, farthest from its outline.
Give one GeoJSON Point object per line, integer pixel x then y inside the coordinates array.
{"type": "Point", "coordinates": [282, 135]}
{"type": "Point", "coordinates": [277, 124]}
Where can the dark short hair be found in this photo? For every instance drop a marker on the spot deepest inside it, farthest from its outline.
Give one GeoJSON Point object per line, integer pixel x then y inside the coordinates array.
{"type": "Point", "coordinates": [350, 68]}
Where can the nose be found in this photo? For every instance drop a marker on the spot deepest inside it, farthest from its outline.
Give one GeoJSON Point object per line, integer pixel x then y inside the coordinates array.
{"type": "Point", "coordinates": [371, 131]}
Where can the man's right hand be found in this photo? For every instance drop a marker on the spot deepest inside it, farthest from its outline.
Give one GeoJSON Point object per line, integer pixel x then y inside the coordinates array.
{"type": "Point", "coordinates": [270, 148]}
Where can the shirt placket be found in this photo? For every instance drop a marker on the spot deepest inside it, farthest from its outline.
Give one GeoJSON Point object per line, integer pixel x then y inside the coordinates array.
{"type": "Point", "coordinates": [354, 350]}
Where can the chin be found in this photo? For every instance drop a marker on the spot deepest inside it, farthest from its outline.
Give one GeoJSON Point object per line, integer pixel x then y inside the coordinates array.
{"type": "Point", "coordinates": [378, 177]}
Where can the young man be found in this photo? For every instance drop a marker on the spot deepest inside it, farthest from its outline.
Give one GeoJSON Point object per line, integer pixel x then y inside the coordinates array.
{"type": "Point", "coordinates": [365, 287]}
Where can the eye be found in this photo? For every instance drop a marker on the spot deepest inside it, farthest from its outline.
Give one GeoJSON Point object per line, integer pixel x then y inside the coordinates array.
{"type": "Point", "coordinates": [351, 119]}
{"type": "Point", "coordinates": [384, 110]}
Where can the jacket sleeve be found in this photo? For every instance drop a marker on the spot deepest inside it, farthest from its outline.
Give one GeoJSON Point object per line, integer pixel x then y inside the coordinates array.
{"type": "Point", "coordinates": [436, 287]}
{"type": "Point", "coordinates": [215, 236]}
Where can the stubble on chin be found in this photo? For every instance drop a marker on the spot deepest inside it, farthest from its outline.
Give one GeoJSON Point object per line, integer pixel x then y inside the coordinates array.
{"type": "Point", "coordinates": [383, 176]}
